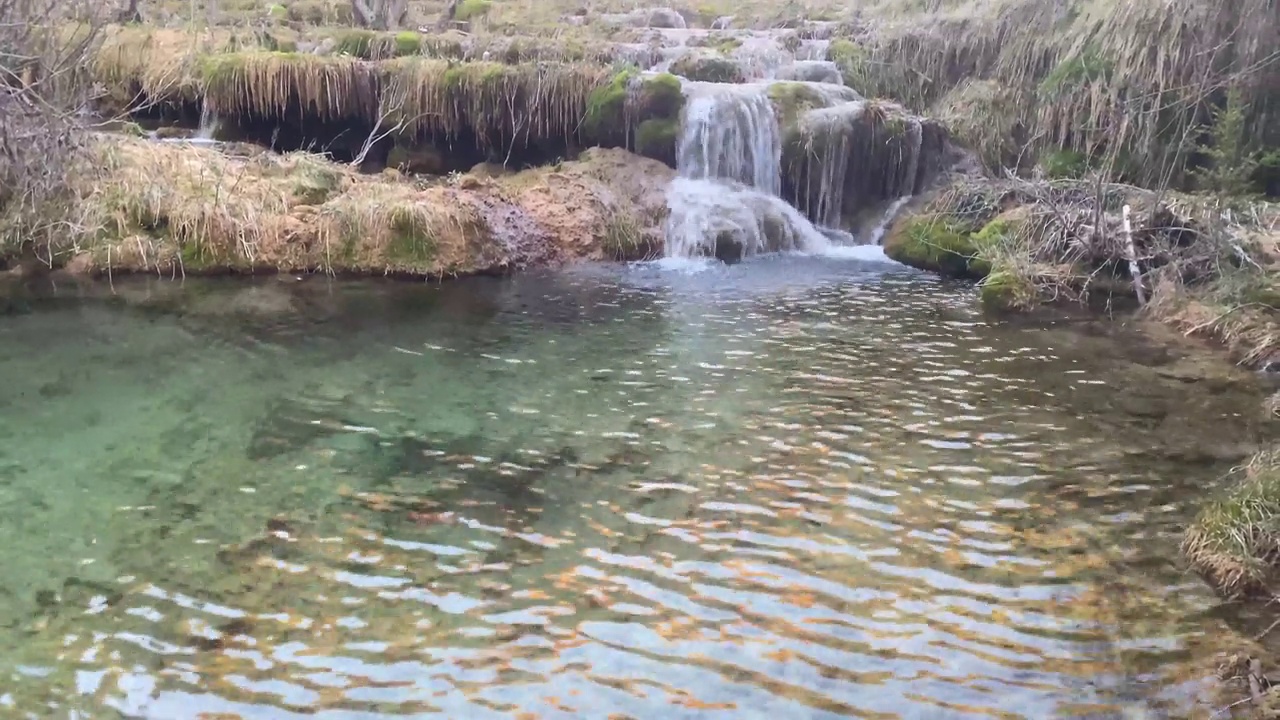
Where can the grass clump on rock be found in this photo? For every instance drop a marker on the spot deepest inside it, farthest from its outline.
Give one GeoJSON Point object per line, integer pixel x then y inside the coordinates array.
{"type": "Point", "coordinates": [705, 68]}
{"type": "Point", "coordinates": [1234, 543]}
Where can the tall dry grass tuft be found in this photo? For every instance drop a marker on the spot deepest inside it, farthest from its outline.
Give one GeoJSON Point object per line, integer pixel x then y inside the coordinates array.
{"type": "Point", "coordinates": [45, 48]}
{"type": "Point", "coordinates": [1134, 82]}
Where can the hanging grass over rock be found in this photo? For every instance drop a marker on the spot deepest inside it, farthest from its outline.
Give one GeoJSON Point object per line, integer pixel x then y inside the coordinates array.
{"type": "Point", "coordinates": [499, 104]}
{"type": "Point", "coordinates": [271, 85]}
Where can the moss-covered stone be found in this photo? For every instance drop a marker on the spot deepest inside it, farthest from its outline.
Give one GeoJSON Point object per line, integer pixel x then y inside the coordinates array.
{"type": "Point", "coordinates": [1005, 289]}
{"type": "Point", "coordinates": [792, 99]}
{"type": "Point", "coordinates": [704, 68]}
{"type": "Point", "coordinates": [656, 138]}
{"type": "Point", "coordinates": [937, 244]}
{"type": "Point", "coordinates": [659, 96]}
{"type": "Point", "coordinates": [607, 106]}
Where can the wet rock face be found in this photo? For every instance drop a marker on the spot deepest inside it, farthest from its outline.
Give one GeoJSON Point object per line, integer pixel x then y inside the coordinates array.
{"type": "Point", "coordinates": [818, 71]}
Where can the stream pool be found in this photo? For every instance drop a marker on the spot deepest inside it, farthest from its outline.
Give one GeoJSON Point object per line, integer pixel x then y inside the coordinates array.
{"type": "Point", "coordinates": [795, 487]}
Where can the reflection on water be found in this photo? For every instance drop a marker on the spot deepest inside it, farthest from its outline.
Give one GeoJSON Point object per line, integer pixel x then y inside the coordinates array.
{"type": "Point", "coordinates": [792, 488]}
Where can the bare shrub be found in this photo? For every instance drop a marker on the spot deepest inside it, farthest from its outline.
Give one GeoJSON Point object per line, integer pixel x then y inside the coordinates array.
{"type": "Point", "coordinates": [45, 52]}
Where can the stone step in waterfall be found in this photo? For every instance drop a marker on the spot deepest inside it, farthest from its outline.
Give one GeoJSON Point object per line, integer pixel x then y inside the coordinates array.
{"type": "Point", "coordinates": [783, 166]}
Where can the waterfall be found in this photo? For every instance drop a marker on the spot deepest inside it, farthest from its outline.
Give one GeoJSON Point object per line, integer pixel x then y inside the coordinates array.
{"type": "Point", "coordinates": [730, 132]}
{"type": "Point", "coordinates": [725, 202]}
{"type": "Point", "coordinates": [208, 124]}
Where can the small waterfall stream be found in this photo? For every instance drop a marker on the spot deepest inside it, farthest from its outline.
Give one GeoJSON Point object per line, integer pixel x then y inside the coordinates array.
{"type": "Point", "coordinates": [725, 202]}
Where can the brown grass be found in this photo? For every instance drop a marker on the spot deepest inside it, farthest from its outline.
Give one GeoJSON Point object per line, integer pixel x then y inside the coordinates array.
{"type": "Point", "coordinates": [175, 209]}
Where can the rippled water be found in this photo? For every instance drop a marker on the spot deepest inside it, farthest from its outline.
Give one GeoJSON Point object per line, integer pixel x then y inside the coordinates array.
{"type": "Point", "coordinates": [793, 488]}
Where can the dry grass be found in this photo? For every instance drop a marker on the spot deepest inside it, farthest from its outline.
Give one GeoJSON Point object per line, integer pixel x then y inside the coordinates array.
{"type": "Point", "coordinates": [273, 85]}
{"type": "Point", "coordinates": [1235, 541]}
{"type": "Point", "coordinates": [175, 209]}
{"type": "Point", "coordinates": [500, 104]}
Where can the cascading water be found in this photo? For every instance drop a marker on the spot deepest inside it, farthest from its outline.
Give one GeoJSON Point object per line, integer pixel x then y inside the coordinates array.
{"type": "Point", "coordinates": [726, 201]}
{"type": "Point", "coordinates": [208, 123]}
{"type": "Point", "coordinates": [730, 132]}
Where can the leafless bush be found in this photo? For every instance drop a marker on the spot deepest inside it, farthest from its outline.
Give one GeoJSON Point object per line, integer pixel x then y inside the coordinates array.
{"type": "Point", "coordinates": [45, 48]}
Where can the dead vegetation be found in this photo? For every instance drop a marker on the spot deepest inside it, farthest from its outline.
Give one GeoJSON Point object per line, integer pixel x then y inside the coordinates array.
{"type": "Point", "coordinates": [177, 209]}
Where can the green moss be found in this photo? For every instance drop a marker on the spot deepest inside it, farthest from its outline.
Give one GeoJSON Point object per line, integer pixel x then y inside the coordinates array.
{"type": "Point", "coordinates": [659, 97]}
{"type": "Point", "coordinates": [793, 99]}
{"type": "Point", "coordinates": [412, 240]}
{"type": "Point", "coordinates": [407, 43]}
{"type": "Point", "coordinates": [1065, 164]}
{"type": "Point", "coordinates": [1234, 542]}
{"type": "Point", "coordinates": [935, 244]}
{"type": "Point", "coordinates": [606, 106]}
{"type": "Point", "coordinates": [471, 9]}
{"type": "Point", "coordinates": [1006, 289]}
{"type": "Point", "coordinates": [708, 69]}
{"type": "Point", "coordinates": [656, 138]}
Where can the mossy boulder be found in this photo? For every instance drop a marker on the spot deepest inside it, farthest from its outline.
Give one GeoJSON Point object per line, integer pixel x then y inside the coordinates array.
{"type": "Point", "coordinates": [792, 99]}
{"type": "Point", "coordinates": [607, 107]}
{"type": "Point", "coordinates": [708, 68]}
{"type": "Point", "coordinates": [657, 138]}
{"type": "Point", "coordinates": [938, 244]}
{"type": "Point", "coordinates": [649, 105]}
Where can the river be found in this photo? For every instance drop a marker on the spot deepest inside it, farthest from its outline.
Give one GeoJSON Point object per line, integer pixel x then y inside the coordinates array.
{"type": "Point", "coordinates": [793, 487]}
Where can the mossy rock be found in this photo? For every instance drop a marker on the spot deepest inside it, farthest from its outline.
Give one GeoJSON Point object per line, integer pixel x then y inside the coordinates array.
{"type": "Point", "coordinates": [1005, 289]}
{"type": "Point", "coordinates": [656, 138]}
{"type": "Point", "coordinates": [702, 68]}
{"type": "Point", "coordinates": [659, 96]}
{"type": "Point", "coordinates": [937, 244]}
{"type": "Point", "coordinates": [792, 99]}
{"type": "Point", "coordinates": [469, 10]}
{"type": "Point", "coordinates": [607, 106]}
{"type": "Point", "coordinates": [1234, 543]}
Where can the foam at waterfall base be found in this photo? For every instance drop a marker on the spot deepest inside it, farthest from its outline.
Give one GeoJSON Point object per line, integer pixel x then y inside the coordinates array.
{"type": "Point", "coordinates": [730, 221]}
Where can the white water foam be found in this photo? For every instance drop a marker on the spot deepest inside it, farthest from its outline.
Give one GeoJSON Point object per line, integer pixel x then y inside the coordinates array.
{"type": "Point", "coordinates": [725, 202]}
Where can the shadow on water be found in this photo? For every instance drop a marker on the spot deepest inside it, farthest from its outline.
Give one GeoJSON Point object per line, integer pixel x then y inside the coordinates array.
{"type": "Point", "coordinates": [795, 487]}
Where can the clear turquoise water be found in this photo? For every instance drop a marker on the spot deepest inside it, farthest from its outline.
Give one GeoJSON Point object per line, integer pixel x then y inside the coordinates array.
{"type": "Point", "coordinates": [793, 488]}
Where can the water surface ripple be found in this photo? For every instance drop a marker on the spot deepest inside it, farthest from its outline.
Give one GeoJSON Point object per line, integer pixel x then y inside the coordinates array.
{"type": "Point", "coordinates": [791, 488]}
